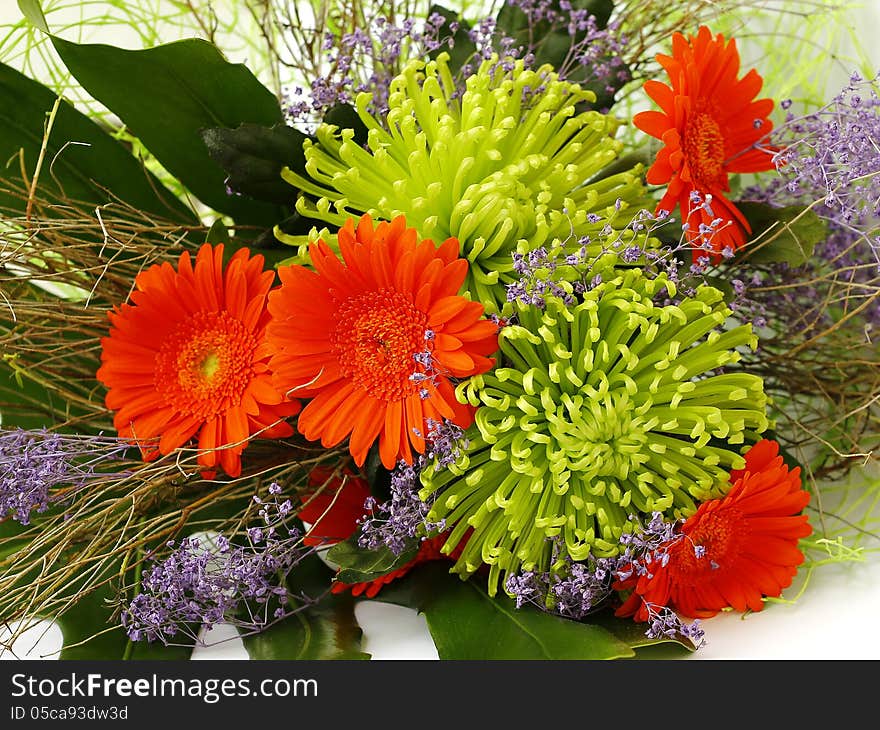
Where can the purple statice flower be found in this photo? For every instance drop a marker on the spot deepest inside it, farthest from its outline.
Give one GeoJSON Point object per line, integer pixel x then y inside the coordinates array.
{"type": "Point", "coordinates": [833, 155]}
{"type": "Point", "coordinates": [528, 588]}
{"type": "Point", "coordinates": [568, 268]}
{"type": "Point", "coordinates": [402, 521]}
{"type": "Point", "coordinates": [663, 622]}
{"type": "Point", "coordinates": [445, 441]}
{"type": "Point", "coordinates": [583, 588]}
{"type": "Point", "coordinates": [33, 463]}
{"type": "Point", "coordinates": [829, 160]}
{"type": "Point", "coordinates": [576, 589]}
{"type": "Point", "coordinates": [595, 57]}
{"type": "Point", "coordinates": [208, 580]}
{"type": "Point", "coordinates": [646, 544]}
{"type": "Point", "coordinates": [427, 368]}
{"type": "Point", "coordinates": [573, 590]}
{"type": "Point", "coordinates": [363, 61]}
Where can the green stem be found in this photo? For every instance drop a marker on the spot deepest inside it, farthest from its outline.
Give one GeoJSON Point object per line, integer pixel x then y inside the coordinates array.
{"type": "Point", "coordinates": [138, 572]}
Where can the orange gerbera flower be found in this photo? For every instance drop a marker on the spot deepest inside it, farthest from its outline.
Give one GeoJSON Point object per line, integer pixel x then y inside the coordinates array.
{"type": "Point", "coordinates": [710, 125]}
{"type": "Point", "coordinates": [733, 550]}
{"type": "Point", "coordinates": [373, 338]}
{"type": "Point", "coordinates": [188, 357]}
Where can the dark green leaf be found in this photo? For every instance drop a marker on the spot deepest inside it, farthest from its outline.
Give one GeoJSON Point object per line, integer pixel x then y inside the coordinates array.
{"type": "Point", "coordinates": [253, 156]}
{"type": "Point", "coordinates": [326, 630]}
{"type": "Point", "coordinates": [84, 627]}
{"type": "Point", "coordinates": [378, 477]}
{"type": "Point", "coordinates": [217, 233]}
{"type": "Point", "coordinates": [166, 96]}
{"type": "Point", "coordinates": [784, 235]}
{"type": "Point", "coordinates": [271, 248]}
{"type": "Point", "coordinates": [81, 159]}
{"type": "Point", "coordinates": [23, 402]}
{"type": "Point", "coordinates": [357, 565]}
{"type": "Point", "coordinates": [345, 116]}
{"type": "Point", "coordinates": [553, 44]}
{"type": "Point", "coordinates": [463, 48]}
{"type": "Point", "coordinates": [633, 634]}
{"type": "Point", "coordinates": [466, 623]}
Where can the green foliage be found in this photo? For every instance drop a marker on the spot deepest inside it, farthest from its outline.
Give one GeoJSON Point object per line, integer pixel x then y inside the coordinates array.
{"type": "Point", "coordinates": [345, 116]}
{"type": "Point", "coordinates": [80, 159]}
{"type": "Point", "coordinates": [253, 156]}
{"type": "Point", "coordinates": [784, 235]}
{"type": "Point", "coordinates": [466, 623]}
{"type": "Point", "coordinates": [91, 631]}
{"type": "Point", "coordinates": [463, 48]}
{"type": "Point", "coordinates": [166, 96]}
{"type": "Point", "coordinates": [217, 233]}
{"type": "Point", "coordinates": [357, 565]}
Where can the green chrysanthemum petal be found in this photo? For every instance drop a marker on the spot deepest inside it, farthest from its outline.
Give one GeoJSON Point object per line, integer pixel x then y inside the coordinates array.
{"type": "Point", "coordinates": [610, 408]}
{"type": "Point", "coordinates": [511, 164]}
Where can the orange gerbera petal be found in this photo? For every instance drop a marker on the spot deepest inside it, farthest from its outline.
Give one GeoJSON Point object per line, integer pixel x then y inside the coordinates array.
{"type": "Point", "coordinates": [390, 324]}
{"type": "Point", "coordinates": [750, 542]}
{"type": "Point", "coordinates": [187, 358]}
{"type": "Point", "coordinates": [719, 127]}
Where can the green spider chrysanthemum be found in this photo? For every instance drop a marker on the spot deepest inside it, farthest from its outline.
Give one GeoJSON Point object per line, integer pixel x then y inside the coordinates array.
{"type": "Point", "coordinates": [609, 409]}
{"type": "Point", "coordinates": [509, 165]}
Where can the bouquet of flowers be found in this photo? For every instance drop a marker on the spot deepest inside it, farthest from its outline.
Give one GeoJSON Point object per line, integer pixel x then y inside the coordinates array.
{"type": "Point", "coordinates": [547, 318]}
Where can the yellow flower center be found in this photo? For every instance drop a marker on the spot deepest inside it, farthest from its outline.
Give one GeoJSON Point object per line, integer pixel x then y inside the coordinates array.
{"type": "Point", "coordinates": [206, 364]}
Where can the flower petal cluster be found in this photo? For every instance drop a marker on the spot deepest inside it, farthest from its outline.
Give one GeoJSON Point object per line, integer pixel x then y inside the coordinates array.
{"type": "Point", "coordinates": [373, 335]}
{"type": "Point", "coordinates": [511, 163]}
{"type": "Point", "coordinates": [710, 125]}
{"type": "Point", "coordinates": [607, 408]}
{"type": "Point", "coordinates": [187, 358]}
{"type": "Point", "coordinates": [734, 550]}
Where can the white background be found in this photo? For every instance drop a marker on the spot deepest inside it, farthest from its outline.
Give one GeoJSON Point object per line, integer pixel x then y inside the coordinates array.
{"type": "Point", "coordinates": [834, 619]}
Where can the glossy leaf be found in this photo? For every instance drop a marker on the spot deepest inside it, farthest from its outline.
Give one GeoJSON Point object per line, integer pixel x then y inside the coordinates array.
{"type": "Point", "coordinates": [783, 235]}
{"type": "Point", "coordinates": [463, 48]}
{"type": "Point", "coordinates": [253, 156]}
{"type": "Point", "coordinates": [326, 630]}
{"type": "Point", "coordinates": [466, 623]}
{"type": "Point", "coordinates": [345, 116]}
{"type": "Point", "coordinates": [217, 233]}
{"type": "Point", "coordinates": [81, 159]}
{"type": "Point", "coordinates": [357, 565]}
{"type": "Point", "coordinates": [166, 95]}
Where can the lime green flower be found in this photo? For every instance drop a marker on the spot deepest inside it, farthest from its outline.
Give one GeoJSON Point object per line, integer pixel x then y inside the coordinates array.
{"type": "Point", "coordinates": [609, 408]}
{"type": "Point", "coordinates": [510, 165]}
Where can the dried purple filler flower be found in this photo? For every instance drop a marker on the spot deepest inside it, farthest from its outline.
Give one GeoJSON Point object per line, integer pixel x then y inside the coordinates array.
{"type": "Point", "coordinates": [32, 463]}
{"type": "Point", "coordinates": [830, 160]}
{"type": "Point", "coordinates": [208, 580]}
{"type": "Point", "coordinates": [576, 589]}
{"type": "Point", "coordinates": [402, 520]}
{"type": "Point", "coordinates": [833, 155]}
